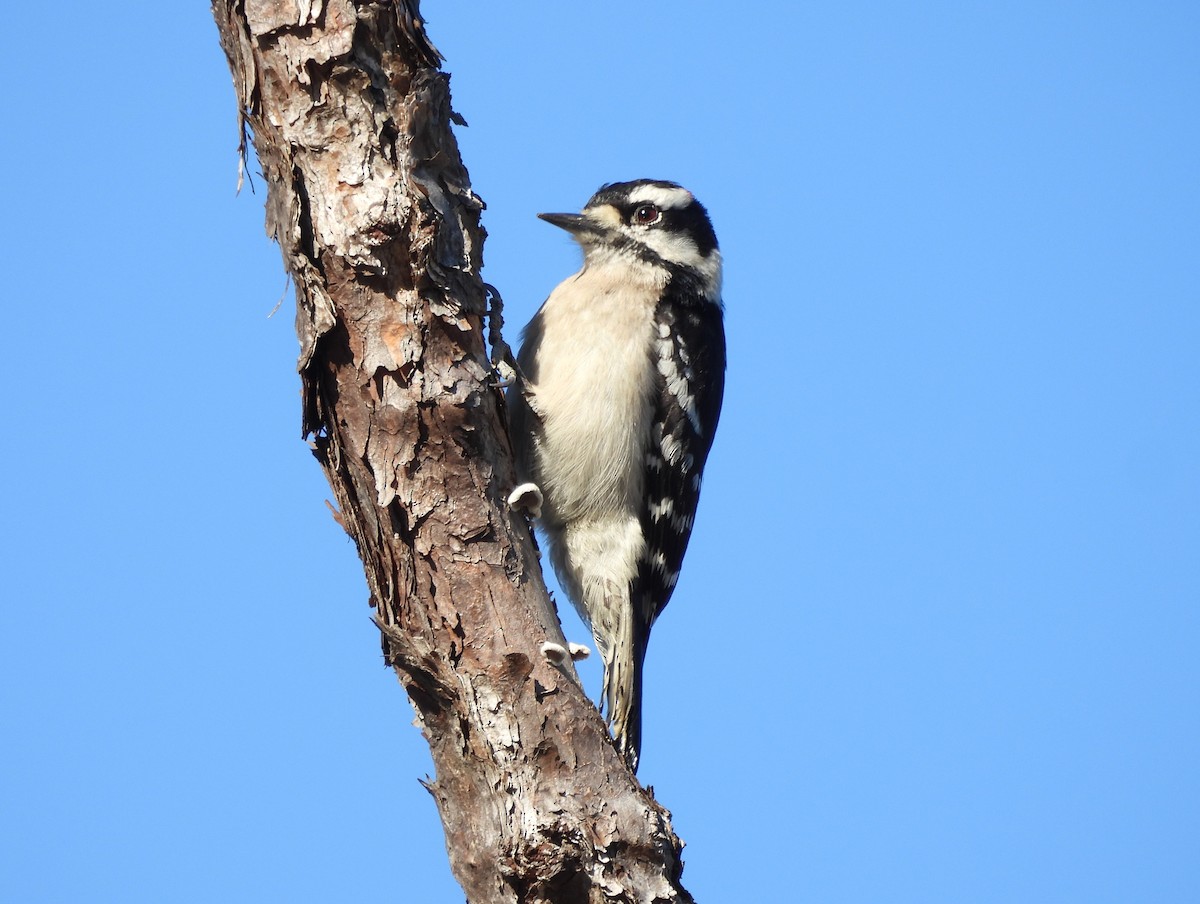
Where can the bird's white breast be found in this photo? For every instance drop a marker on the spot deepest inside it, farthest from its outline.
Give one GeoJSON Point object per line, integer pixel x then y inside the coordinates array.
{"type": "Point", "coordinates": [592, 389]}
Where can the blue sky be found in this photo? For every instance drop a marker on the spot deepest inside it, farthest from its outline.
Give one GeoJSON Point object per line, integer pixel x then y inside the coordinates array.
{"type": "Point", "coordinates": [936, 636]}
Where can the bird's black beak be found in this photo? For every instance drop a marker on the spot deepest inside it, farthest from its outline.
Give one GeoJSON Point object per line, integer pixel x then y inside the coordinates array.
{"type": "Point", "coordinates": [574, 223]}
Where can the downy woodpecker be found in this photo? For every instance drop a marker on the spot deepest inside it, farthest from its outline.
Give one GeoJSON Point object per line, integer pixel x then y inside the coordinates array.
{"type": "Point", "coordinates": [623, 369]}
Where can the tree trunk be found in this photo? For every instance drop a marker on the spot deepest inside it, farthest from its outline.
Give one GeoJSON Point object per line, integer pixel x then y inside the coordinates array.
{"type": "Point", "coordinates": [379, 228]}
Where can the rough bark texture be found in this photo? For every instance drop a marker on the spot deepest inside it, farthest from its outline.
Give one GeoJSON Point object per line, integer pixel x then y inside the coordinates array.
{"type": "Point", "coordinates": [373, 210]}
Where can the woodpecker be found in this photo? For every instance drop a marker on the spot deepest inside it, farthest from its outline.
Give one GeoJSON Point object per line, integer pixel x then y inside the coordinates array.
{"type": "Point", "coordinates": [622, 372]}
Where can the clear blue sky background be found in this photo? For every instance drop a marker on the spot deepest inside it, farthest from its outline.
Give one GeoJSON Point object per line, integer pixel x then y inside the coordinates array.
{"type": "Point", "coordinates": [936, 640]}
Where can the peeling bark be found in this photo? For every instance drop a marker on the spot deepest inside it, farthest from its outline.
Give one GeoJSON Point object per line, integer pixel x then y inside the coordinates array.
{"type": "Point", "coordinates": [379, 228]}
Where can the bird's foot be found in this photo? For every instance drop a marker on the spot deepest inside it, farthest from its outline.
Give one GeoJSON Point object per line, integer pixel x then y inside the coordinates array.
{"type": "Point", "coordinates": [558, 654]}
{"type": "Point", "coordinates": [527, 498]}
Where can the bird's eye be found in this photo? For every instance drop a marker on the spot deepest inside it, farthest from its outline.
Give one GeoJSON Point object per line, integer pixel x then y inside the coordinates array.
{"type": "Point", "coordinates": [646, 214]}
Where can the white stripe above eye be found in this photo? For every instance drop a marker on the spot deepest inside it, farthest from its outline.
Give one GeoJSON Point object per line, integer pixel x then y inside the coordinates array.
{"type": "Point", "coordinates": [662, 196]}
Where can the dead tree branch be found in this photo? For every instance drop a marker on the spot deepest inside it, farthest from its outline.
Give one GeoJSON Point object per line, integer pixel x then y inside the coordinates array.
{"type": "Point", "coordinates": [379, 229]}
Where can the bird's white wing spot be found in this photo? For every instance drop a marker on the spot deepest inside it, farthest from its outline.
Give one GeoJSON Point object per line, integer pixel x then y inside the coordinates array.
{"type": "Point", "coordinates": [663, 509]}
{"type": "Point", "coordinates": [677, 384]}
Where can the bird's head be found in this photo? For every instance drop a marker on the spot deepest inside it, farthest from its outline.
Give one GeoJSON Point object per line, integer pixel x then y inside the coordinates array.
{"type": "Point", "coordinates": [648, 220]}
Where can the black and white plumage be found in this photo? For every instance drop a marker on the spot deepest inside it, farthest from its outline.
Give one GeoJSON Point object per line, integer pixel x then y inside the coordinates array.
{"type": "Point", "coordinates": [623, 372]}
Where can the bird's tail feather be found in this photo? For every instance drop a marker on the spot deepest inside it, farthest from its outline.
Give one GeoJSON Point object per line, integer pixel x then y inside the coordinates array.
{"type": "Point", "coordinates": [623, 659]}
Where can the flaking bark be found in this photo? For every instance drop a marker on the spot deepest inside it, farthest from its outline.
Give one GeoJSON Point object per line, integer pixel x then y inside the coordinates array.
{"type": "Point", "coordinates": [379, 228]}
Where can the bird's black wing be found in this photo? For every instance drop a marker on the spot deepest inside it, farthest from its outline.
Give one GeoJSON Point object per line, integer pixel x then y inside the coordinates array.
{"type": "Point", "coordinates": [690, 382]}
